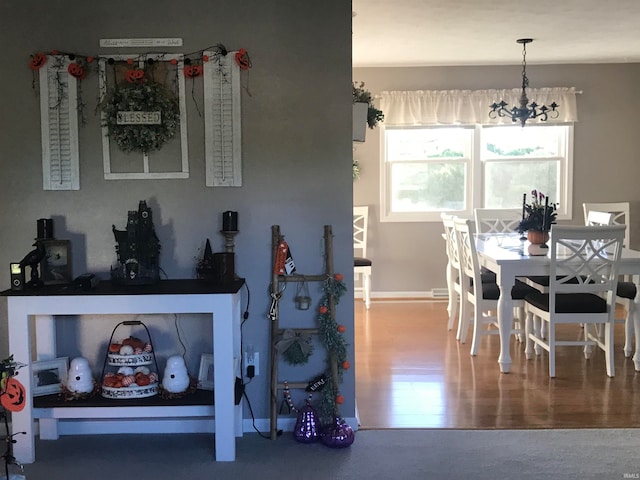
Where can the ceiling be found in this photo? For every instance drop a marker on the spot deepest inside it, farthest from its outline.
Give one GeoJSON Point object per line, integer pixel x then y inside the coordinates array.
{"type": "Point", "coordinates": [393, 33]}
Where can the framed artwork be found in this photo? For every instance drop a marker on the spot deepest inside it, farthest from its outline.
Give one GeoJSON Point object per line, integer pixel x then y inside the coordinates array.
{"type": "Point", "coordinates": [205, 374]}
{"type": "Point", "coordinates": [47, 376]}
{"type": "Point", "coordinates": [55, 267]}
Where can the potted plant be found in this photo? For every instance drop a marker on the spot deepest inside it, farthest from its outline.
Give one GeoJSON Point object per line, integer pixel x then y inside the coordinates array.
{"type": "Point", "coordinates": [537, 217]}
{"type": "Point", "coordinates": [364, 112]}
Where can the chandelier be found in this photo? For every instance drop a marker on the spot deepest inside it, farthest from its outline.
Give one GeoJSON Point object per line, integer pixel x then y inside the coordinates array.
{"type": "Point", "coordinates": [524, 112]}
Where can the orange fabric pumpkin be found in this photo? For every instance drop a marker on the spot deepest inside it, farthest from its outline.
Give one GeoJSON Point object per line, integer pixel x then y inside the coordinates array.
{"type": "Point", "coordinates": [13, 398]}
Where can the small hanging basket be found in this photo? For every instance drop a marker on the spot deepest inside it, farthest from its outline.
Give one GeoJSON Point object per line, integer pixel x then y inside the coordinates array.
{"type": "Point", "coordinates": [302, 298]}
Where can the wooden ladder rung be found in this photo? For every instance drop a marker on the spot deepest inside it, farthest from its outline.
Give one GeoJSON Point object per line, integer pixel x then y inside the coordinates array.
{"type": "Point", "coordinates": [308, 331]}
{"type": "Point", "coordinates": [297, 385]}
{"type": "Point", "coordinates": [303, 278]}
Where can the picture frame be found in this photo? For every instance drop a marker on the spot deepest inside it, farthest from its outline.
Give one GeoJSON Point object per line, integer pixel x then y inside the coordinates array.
{"type": "Point", "coordinates": [205, 374]}
{"type": "Point", "coordinates": [47, 376]}
{"type": "Point", "coordinates": [55, 267]}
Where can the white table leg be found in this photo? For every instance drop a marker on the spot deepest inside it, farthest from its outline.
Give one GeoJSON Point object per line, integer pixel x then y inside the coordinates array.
{"type": "Point", "coordinates": [506, 282]}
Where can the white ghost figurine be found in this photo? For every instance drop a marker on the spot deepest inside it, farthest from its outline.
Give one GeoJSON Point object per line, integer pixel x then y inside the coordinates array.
{"type": "Point", "coordinates": [176, 378]}
{"type": "Point", "coordinates": [80, 379]}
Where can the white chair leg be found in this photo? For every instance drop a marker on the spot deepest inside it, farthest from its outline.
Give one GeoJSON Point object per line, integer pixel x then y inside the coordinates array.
{"type": "Point", "coordinates": [463, 320]}
{"type": "Point", "coordinates": [551, 338]}
{"type": "Point", "coordinates": [608, 352]}
{"type": "Point", "coordinates": [537, 328]}
{"type": "Point", "coordinates": [628, 329]}
{"type": "Point", "coordinates": [454, 299]}
{"type": "Point", "coordinates": [366, 284]}
{"type": "Point", "coordinates": [528, 330]}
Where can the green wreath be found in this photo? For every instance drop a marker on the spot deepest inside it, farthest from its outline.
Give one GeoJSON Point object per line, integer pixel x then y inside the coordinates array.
{"type": "Point", "coordinates": [141, 97]}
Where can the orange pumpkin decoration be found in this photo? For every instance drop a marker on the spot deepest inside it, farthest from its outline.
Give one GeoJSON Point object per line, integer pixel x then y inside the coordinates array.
{"type": "Point", "coordinates": [76, 70]}
{"type": "Point", "coordinates": [342, 328]}
{"type": "Point", "coordinates": [13, 398]}
{"type": "Point", "coordinates": [192, 71]}
{"type": "Point", "coordinates": [323, 309]}
{"type": "Point", "coordinates": [135, 76]}
{"type": "Point", "coordinates": [37, 61]}
{"type": "Point", "coordinates": [242, 59]}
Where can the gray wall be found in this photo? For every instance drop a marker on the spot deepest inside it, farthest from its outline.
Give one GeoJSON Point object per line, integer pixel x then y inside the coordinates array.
{"type": "Point", "coordinates": [410, 257]}
{"type": "Point", "coordinates": [296, 132]}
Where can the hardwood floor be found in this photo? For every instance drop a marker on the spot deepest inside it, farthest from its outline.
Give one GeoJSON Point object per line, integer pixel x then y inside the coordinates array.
{"type": "Point", "coordinates": [411, 372]}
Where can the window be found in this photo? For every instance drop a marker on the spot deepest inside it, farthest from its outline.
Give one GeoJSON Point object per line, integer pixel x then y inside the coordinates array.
{"type": "Point", "coordinates": [428, 170]}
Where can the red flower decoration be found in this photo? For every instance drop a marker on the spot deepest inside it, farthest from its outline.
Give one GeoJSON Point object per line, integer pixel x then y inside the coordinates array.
{"type": "Point", "coordinates": [342, 328]}
{"type": "Point", "coordinates": [205, 58]}
{"type": "Point", "coordinates": [89, 59]}
{"type": "Point", "coordinates": [242, 59]}
{"type": "Point", "coordinates": [135, 76]}
{"type": "Point", "coordinates": [173, 61]}
{"type": "Point", "coordinates": [77, 71]}
{"type": "Point", "coordinates": [323, 309]}
{"type": "Point", "coordinates": [338, 277]}
{"type": "Point", "coordinates": [37, 61]}
{"type": "Point", "coordinates": [130, 61]}
{"type": "Point", "coordinates": [346, 365]}
{"type": "Point", "coordinates": [339, 399]}
{"type": "Point", "coordinates": [192, 71]}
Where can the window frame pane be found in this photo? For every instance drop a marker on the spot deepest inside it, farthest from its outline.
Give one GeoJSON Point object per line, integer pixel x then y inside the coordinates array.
{"type": "Point", "coordinates": [475, 172]}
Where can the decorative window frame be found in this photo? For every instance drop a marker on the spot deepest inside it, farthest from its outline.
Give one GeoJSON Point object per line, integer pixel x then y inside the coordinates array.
{"type": "Point", "coordinates": [146, 174]}
{"type": "Point", "coordinates": [223, 126]}
{"type": "Point", "coordinates": [59, 125]}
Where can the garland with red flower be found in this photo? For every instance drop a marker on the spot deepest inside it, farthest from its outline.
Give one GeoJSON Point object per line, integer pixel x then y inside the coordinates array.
{"type": "Point", "coordinates": [80, 66]}
{"type": "Point", "coordinates": [332, 336]}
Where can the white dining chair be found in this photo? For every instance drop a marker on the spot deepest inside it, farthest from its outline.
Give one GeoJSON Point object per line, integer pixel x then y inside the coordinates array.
{"type": "Point", "coordinates": [453, 268]}
{"type": "Point", "coordinates": [482, 296]}
{"type": "Point", "coordinates": [582, 282]}
{"type": "Point", "coordinates": [497, 220]}
{"type": "Point", "coordinates": [620, 212]}
{"type": "Point", "coordinates": [362, 265]}
{"type": "Point", "coordinates": [625, 290]}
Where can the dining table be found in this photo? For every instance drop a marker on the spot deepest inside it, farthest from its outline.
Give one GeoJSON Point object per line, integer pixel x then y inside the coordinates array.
{"type": "Point", "coordinates": [511, 256]}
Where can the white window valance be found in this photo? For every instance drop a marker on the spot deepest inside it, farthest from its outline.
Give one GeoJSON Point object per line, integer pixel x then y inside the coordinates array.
{"type": "Point", "coordinates": [445, 107]}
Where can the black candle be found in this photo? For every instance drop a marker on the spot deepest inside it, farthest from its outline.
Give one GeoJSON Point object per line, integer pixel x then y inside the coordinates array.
{"type": "Point", "coordinates": [544, 215]}
{"type": "Point", "coordinates": [45, 229]}
{"type": "Point", "coordinates": [229, 221]}
{"type": "Point", "coordinates": [524, 202]}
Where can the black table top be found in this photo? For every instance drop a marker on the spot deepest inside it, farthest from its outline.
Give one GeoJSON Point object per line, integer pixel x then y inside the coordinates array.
{"type": "Point", "coordinates": [107, 287]}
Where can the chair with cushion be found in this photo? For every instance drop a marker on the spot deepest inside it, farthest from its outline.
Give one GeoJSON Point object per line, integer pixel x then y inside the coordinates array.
{"type": "Point", "coordinates": [453, 268]}
{"type": "Point", "coordinates": [582, 282]}
{"type": "Point", "coordinates": [483, 296]}
{"type": "Point", "coordinates": [361, 264]}
{"type": "Point", "coordinates": [625, 291]}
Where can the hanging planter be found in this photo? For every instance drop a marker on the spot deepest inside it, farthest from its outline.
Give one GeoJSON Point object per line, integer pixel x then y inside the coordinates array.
{"type": "Point", "coordinates": [365, 114]}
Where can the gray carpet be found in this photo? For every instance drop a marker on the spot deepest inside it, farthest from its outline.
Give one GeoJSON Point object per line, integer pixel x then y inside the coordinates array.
{"type": "Point", "coordinates": [375, 454]}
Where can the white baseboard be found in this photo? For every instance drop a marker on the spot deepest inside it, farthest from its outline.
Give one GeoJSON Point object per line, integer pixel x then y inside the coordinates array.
{"type": "Point", "coordinates": [436, 293]}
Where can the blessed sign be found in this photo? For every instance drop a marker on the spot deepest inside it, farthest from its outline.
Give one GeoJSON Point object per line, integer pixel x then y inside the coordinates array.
{"type": "Point", "coordinates": [138, 118]}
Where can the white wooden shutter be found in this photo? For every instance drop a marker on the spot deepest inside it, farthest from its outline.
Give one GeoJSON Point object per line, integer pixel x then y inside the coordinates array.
{"type": "Point", "coordinates": [59, 125]}
{"type": "Point", "coordinates": [223, 145]}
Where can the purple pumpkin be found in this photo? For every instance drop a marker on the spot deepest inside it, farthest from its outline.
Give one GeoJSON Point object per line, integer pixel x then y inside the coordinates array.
{"type": "Point", "coordinates": [338, 435]}
{"type": "Point", "coordinates": [306, 429]}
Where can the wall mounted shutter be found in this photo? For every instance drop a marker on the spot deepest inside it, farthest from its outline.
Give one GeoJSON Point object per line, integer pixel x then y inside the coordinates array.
{"type": "Point", "coordinates": [59, 125]}
{"type": "Point", "coordinates": [223, 145]}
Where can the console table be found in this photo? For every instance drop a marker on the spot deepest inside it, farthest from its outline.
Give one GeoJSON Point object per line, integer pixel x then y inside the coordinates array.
{"type": "Point", "coordinates": [221, 302]}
